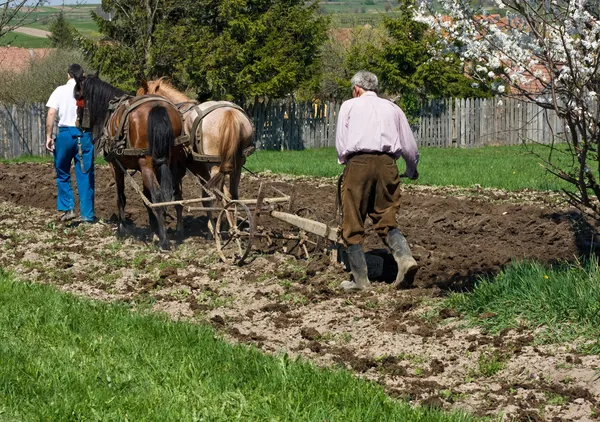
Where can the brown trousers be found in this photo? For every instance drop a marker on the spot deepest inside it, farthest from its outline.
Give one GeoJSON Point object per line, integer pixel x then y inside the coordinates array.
{"type": "Point", "coordinates": [370, 187]}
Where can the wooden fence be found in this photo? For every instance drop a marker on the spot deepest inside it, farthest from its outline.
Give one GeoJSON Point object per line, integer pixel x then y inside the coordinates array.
{"type": "Point", "coordinates": [478, 122]}
{"type": "Point", "coordinates": [22, 130]}
{"type": "Point", "coordinates": [296, 126]}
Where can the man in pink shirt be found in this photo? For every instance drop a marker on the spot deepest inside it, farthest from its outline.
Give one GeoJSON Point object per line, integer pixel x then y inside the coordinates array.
{"type": "Point", "coordinates": [372, 133]}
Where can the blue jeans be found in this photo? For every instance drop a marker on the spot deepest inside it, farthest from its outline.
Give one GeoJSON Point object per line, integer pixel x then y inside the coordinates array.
{"type": "Point", "coordinates": [72, 144]}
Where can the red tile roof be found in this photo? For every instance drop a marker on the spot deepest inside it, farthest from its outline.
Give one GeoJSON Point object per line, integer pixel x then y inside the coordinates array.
{"type": "Point", "coordinates": [15, 59]}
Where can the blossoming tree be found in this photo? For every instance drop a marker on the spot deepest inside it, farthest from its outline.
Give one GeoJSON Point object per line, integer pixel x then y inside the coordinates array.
{"type": "Point", "coordinates": [553, 45]}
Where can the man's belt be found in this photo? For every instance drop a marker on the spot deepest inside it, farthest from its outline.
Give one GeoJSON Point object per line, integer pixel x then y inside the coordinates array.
{"type": "Point", "coordinates": [356, 154]}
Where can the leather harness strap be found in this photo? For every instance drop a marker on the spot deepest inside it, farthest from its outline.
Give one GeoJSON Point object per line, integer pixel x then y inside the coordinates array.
{"type": "Point", "coordinates": [138, 102]}
{"type": "Point", "coordinates": [121, 126]}
{"type": "Point", "coordinates": [180, 140]}
{"type": "Point", "coordinates": [201, 115]}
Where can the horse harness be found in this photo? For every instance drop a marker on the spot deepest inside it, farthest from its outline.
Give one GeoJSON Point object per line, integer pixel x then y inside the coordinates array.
{"type": "Point", "coordinates": [196, 142]}
{"type": "Point", "coordinates": [115, 139]}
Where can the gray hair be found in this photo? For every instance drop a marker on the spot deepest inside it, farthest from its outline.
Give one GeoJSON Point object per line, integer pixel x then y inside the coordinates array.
{"type": "Point", "coordinates": [365, 80]}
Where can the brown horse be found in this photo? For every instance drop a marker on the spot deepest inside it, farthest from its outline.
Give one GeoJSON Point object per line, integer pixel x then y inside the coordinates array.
{"type": "Point", "coordinates": [138, 135]}
{"type": "Point", "coordinates": [224, 130]}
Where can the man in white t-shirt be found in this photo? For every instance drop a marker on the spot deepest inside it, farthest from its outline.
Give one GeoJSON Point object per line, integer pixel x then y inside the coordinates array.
{"type": "Point", "coordinates": [71, 144]}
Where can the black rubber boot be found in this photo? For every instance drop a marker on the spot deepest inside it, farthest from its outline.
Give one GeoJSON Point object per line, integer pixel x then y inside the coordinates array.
{"type": "Point", "coordinates": [407, 266]}
{"type": "Point", "coordinates": [358, 267]}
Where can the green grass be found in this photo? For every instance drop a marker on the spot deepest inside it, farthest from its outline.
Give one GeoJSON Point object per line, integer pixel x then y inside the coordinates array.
{"type": "Point", "coordinates": [511, 167]}
{"type": "Point", "coordinates": [41, 159]}
{"type": "Point", "coordinates": [65, 358]}
{"type": "Point", "coordinates": [77, 15]}
{"type": "Point", "coordinates": [564, 300]}
{"type": "Point", "coordinates": [28, 159]}
{"type": "Point", "coordinates": [16, 39]}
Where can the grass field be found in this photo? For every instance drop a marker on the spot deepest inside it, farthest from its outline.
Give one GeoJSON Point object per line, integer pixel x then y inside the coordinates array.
{"type": "Point", "coordinates": [15, 39]}
{"type": "Point", "coordinates": [563, 302]}
{"type": "Point", "coordinates": [511, 168]}
{"type": "Point", "coordinates": [76, 15]}
{"type": "Point", "coordinates": [65, 358]}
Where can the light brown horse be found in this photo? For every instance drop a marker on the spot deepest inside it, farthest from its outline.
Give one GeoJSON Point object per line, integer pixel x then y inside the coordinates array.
{"type": "Point", "coordinates": [150, 128]}
{"type": "Point", "coordinates": [225, 132]}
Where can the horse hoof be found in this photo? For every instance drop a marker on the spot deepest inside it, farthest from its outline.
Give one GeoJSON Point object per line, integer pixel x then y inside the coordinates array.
{"type": "Point", "coordinates": [165, 246]}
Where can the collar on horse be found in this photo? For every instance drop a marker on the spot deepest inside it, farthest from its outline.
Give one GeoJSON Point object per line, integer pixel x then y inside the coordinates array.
{"type": "Point", "coordinates": [202, 113]}
{"type": "Point", "coordinates": [116, 142]}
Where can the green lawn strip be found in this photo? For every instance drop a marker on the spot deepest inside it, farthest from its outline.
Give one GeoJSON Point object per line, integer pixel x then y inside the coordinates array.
{"type": "Point", "coordinates": [41, 159]}
{"type": "Point", "coordinates": [16, 39]}
{"type": "Point", "coordinates": [67, 358]}
{"type": "Point", "coordinates": [564, 301]}
{"type": "Point", "coordinates": [508, 167]}
{"type": "Point", "coordinates": [511, 167]}
{"type": "Point", "coordinates": [28, 159]}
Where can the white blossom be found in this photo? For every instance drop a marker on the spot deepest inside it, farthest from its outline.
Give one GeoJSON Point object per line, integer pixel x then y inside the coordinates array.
{"type": "Point", "coordinates": [557, 66]}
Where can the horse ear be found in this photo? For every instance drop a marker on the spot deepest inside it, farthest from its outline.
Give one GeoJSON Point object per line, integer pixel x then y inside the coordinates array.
{"type": "Point", "coordinates": [144, 87]}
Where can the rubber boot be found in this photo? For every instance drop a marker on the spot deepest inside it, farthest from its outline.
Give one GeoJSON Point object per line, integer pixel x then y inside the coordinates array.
{"type": "Point", "coordinates": [358, 267]}
{"type": "Point", "coordinates": [407, 266]}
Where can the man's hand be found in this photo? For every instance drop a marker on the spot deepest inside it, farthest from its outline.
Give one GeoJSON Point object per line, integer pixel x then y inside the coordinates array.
{"type": "Point", "coordinates": [50, 144]}
{"type": "Point", "coordinates": [49, 126]}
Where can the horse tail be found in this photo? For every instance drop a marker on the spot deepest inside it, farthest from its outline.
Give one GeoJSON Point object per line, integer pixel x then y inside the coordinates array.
{"type": "Point", "coordinates": [161, 140]}
{"type": "Point", "coordinates": [229, 147]}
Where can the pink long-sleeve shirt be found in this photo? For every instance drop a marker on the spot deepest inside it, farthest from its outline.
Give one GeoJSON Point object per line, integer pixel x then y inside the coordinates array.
{"type": "Point", "coordinates": [372, 124]}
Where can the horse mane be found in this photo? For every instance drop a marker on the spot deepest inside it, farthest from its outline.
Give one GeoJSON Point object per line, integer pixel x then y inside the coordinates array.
{"type": "Point", "coordinates": [98, 95]}
{"type": "Point", "coordinates": [163, 87]}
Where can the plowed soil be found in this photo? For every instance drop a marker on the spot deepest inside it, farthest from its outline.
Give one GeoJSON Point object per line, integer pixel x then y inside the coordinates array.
{"type": "Point", "coordinates": [401, 339]}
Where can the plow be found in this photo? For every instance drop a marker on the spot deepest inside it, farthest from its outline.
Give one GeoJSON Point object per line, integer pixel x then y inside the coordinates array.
{"type": "Point", "coordinates": [237, 226]}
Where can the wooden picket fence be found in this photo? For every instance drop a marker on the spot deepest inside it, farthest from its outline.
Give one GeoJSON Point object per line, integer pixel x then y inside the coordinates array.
{"type": "Point", "coordinates": [286, 125]}
{"type": "Point", "coordinates": [22, 130]}
{"type": "Point", "coordinates": [476, 122]}
{"type": "Point", "coordinates": [294, 126]}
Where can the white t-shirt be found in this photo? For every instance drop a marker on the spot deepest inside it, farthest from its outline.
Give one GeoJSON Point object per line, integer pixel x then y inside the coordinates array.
{"type": "Point", "coordinates": [62, 99]}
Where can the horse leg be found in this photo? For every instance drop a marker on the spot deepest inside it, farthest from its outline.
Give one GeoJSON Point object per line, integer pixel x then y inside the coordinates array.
{"type": "Point", "coordinates": [156, 216]}
{"type": "Point", "coordinates": [178, 172]}
{"type": "Point", "coordinates": [211, 223]}
{"type": "Point", "coordinates": [119, 177]}
{"type": "Point", "coordinates": [234, 177]}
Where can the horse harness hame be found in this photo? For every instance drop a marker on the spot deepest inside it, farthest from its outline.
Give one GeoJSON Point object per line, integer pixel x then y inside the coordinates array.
{"type": "Point", "coordinates": [115, 139]}
{"type": "Point", "coordinates": [196, 141]}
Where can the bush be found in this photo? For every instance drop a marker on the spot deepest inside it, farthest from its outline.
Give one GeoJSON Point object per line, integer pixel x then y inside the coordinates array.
{"type": "Point", "coordinates": [39, 79]}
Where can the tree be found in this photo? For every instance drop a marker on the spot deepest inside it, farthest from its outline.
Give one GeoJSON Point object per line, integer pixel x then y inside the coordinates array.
{"type": "Point", "coordinates": [345, 52]}
{"type": "Point", "coordinates": [553, 45]}
{"type": "Point", "coordinates": [15, 13]}
{"type": "Point", "coordinates": [218, 48]}
{"type": "Point", "coordinates": [126, 51]}
{"type": "Point", "coordinates": [235, 49]}
{"type": "Point", "coordinates": [400, 53]}
{"type": "Point", "coordinates": [408, 66]}
{"type": "Point", "coordinates": [63, 34]}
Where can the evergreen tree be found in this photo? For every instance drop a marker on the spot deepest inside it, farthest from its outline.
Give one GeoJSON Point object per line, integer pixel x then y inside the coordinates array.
{"type": "Point", "coordinates": [63, 34]}
{"type": "Point", "coordinates": [218, 48]}
{"type": "Point", "coordinates": [400, 54]}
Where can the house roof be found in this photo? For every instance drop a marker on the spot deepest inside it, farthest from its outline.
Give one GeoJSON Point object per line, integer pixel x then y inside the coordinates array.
{"type": "Point", "coordinates": [15, 59]}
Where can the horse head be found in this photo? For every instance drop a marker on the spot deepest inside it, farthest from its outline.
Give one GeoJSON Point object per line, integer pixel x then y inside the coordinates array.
{"type": "Point", "coordinates": [97, 96]}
